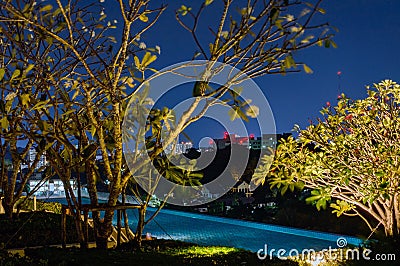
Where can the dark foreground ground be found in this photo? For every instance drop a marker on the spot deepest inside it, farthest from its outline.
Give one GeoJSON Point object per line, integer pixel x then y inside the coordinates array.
{"type": "Point", "coordinates": [155, 252]}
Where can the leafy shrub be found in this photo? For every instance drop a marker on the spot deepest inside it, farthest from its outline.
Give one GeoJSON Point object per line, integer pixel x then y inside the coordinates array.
{"type": "Point", "coordinates": [27, 205]}
{"type": "Point", "coordinates": [9, 259]}
{"type": "Point", "coordinates": [36, 229]}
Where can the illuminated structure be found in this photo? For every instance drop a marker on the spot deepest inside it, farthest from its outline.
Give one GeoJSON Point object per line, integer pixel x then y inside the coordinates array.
{"type": "Point", "coordinates": [251, 142]}
{"type": "Point", "coordinates": [31, 158]}
{"type": "Point", "coordinates": [179, 148]}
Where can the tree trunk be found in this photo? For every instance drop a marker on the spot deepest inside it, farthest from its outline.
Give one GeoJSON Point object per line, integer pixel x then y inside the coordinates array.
{"type": "Point", "coordinates": [397, 213]}
{"type": "Point", "coordinates": [103, 231]}
{"type": "Point", "coordinates": [79, 230]}
{"type": "Point", "coordinates": [140, 226]}
{"type": "Point", "coordinates": [8, 206]}
{"type": "Point", "coordinates": [9, 198]}
{"type": "Point", "coordinates": [74, 207]}
{"type": "Point", "coordinates": [391, 220]}
{"type": "Point", "coordinates": [101, 242]}
{"type": "Point", "coordinates": [92, 190]}
{"type": "Point", "coordinates": [125, 216]}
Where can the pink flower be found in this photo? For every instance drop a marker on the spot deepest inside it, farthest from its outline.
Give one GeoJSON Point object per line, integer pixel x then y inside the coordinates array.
{"type": "Point", "coordinates": [328, 104]}
{"type": "Point", "coordinates": [348, 117]}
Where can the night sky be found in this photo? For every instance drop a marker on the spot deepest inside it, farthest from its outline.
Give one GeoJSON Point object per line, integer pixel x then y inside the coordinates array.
{"type": "Point", "coordinates": [368, 41]}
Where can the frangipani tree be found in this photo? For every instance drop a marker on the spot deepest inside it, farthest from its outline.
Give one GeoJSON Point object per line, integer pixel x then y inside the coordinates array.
{"type": "Point", "coordinates": [349, 159]}
{"type": "Point", "coordinates": [21, 125]}
{"type": "Point", "coordinates": [86, 70]}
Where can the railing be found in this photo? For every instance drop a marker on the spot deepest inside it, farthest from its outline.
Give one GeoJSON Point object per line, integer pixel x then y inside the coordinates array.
{"type": "Point", "coordinates": [118, 236]}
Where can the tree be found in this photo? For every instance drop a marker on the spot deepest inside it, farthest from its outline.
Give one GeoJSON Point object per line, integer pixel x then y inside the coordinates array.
{"type": "Point", "coordinates": [349, 159]}
{"type": "Point", "coordinates": [94, 70]}
{"type": "Point", "coordinates": [20, 92]}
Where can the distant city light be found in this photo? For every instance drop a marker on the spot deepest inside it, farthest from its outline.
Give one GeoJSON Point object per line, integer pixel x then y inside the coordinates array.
{"type": "Point", "coordinates": [226, 135]}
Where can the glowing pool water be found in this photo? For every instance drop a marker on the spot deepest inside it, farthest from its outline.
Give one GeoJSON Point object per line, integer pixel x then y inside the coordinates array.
{"type": "Point", "coordinates": [210, 230]}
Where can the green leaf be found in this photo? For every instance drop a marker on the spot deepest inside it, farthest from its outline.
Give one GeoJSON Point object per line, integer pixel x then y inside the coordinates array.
{"type": "Point", "coordinates": [321, 204]}
{"type": "Point", "coordinates": [321, 10]}
{"type": "Point", "coordinates": [232, 114]}
{"type": "Point", "coordinates": [289, 62]}
{"type": "Point", "coordinates": [137, 62]}
{"type": "Point", "coordinates": [68, 112]}
{"type": "Point", "coordinates": [284, 189]}
{"type": "Point", "coordinates": [211, 46]}
{"type": "Point", "coordinates": [312, 199]}
{"type": "Point", "coordinates": [2, 72]}
{"type": "Point", "coordinates": [29, 68]}
{"type": "Point", "coordinates": [57, 12]}
{"type": "Point", "coordinates": [307, 69]}
{"type": "Point", "coordinates": [16, 73]}
{"type": "Point", "coordinates": [46, 8]}
{"type": "Point", "coordinates": [40, 104]}
{"type": "Point", "coordinates": [25, 98]}
{"type": "Point", "coordinates": [93, 131]}
{"type": "Point", "coordinates": [207, 2]}
{"type": "Point", "coordinates": [75, 94]}
{"type": "Point", "coordinates": [130, 82]}
{"type": "Point", "coordinates": [148, 59]}
{"type": "Point", "coordinates": [102, 17]}
{"type": "Point", "coordinates": [143, 17]}
{"type": "Point", "coordinates": [49, 40]}
{"type": "Point", "coordinates": [252, 111]}
{"type": "Point", "coordinates": [184, 10]}
{"type": "Point", "coordinates": [4, 122]}
{"type": "Point", "coordinates": [242, 114]}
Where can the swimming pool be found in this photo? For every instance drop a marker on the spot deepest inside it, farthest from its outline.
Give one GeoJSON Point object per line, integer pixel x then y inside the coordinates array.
{"type": "Point", "coordinates": [210, 230]}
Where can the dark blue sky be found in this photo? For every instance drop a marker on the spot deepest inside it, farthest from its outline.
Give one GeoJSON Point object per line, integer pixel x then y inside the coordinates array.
{"type": "Point", "coordinates": [368, 41]}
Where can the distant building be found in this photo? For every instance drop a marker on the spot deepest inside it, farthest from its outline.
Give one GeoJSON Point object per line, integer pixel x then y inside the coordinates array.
{"type": "Point", "coordinates": [52, 187]}
{"type": "Point", "coordinates": [182, 147]}
{"type": "Point", "coordinates": [260, 143]}
{"type": "Point", "coordinates": [264, 142]}
{"type": "Point", "coordinates": [243, 188]}
{"type": "Point", "coordinates": [31, 158]}
{"type": "Point", "coordinates": [178, 147]}
{"type": "Point", "coordinates": [206, 149]}
{"type": "Point", "coordinates": [205, 193]}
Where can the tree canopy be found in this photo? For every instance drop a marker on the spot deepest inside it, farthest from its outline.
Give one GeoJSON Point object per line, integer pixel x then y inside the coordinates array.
{"type": "Point", "coordinates": [349, 158]}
